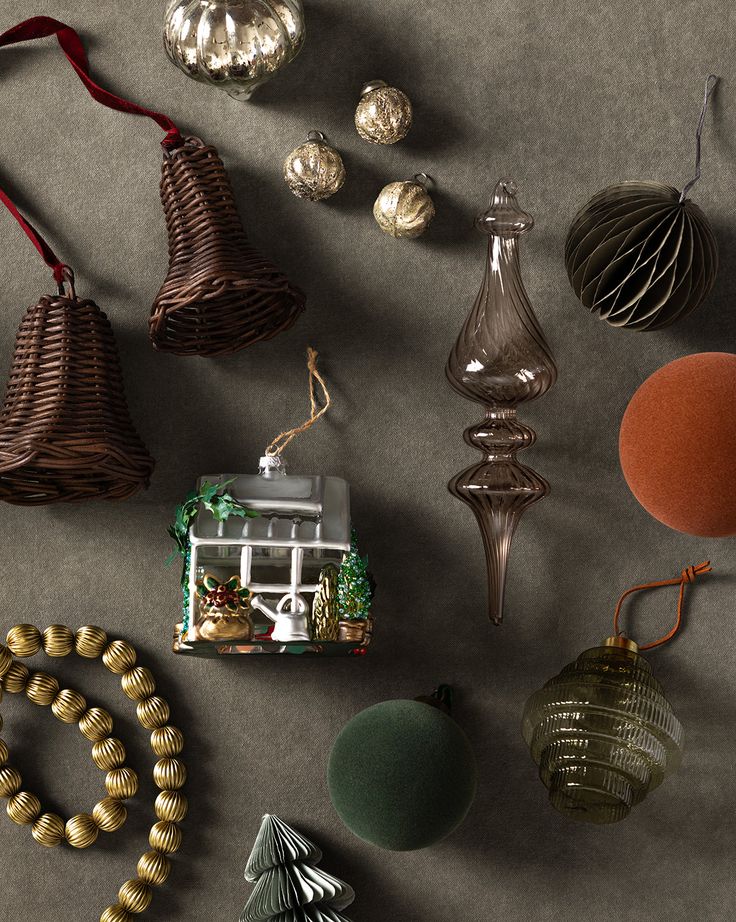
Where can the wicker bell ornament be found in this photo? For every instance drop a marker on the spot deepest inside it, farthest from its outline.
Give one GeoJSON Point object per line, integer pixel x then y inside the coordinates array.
{"type": "Point", "coordinates": [641, 254]}
{"type": "Point", "coordinates": [65, 430]}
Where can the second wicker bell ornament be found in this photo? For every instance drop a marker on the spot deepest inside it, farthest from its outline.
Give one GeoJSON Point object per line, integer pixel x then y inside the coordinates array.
{"type": "Point", "coordinates": [314, 170]}
{"type": "Point", "coordinates": [384, 114]}
{"type": "Point", "coordinates": [404, 209]}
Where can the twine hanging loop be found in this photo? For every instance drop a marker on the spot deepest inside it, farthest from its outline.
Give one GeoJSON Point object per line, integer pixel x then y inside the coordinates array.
{"type": "Point", "coordinates": [688, 576]}
{"type": "Point", "coordinates": [710, 84]}
{"type": "Point", "coordinates": [276, 447]}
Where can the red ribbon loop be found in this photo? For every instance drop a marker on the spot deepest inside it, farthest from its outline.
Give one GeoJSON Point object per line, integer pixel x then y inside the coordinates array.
{"type": "Point", "coordinates": [71, 45]}
{"type": "Point", "coordinates": [50, 258]}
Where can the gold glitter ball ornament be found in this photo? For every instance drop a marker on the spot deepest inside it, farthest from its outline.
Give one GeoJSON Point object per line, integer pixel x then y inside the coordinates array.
{"type": "Point", "coordinates": [404, 209]}
{"type": "Point", "coordinates": [384, 114]}
{"type": "Point", "coordinates": [314, 170]}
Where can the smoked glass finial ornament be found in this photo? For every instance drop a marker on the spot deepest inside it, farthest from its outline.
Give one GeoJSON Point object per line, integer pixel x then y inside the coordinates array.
{"type": "Point", "coordinates": [233, 44]}
{"type": "Point", "coordinates": [501, 359]}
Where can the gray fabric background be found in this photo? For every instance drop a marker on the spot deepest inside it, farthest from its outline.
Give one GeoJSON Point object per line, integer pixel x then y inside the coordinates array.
{"type": "Point", "coordinates": [566, 98]}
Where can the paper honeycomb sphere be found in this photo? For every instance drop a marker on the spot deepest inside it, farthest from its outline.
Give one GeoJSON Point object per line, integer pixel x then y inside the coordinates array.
{"type": "Point", "coordinates": [639, 257]}
{"type": "Point", "coordinates": [678, 443]}
{"type": "Point", "coordinates": [402, 775]}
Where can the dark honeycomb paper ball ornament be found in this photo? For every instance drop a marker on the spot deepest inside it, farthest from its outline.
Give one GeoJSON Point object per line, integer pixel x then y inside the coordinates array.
{"type": "Point", "coordinates": [678, 443]}
{"type": "Point", "coordinates": [402, 774]}
{"type": "Point", "coordinates": [641, 256]}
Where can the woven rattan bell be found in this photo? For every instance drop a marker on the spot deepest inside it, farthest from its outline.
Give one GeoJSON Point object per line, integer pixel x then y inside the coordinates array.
{"type": "Point", "coordinates": [220, 294]}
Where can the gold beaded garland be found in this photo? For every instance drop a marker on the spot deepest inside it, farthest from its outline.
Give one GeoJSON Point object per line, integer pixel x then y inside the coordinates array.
{"type": "Point", "coordinates": [42, 688]}
{"type": "Point", "coordinates": [165, 837]}
{"type": "Point", "coordinates": [171, 806]}
{"type": "Point", "coordinates": [167, 741]}
{"type": "Point", "coordinates": [115, 913]}
{"type": "Point", "coordinates": [16, 678]}
{"type": "Point", "coordinates": [90, 641]}
{"type": "Point", "coordinates": [121, 783]}
{"type": "Point", "coordinates": [109, 814]}
{"type": "Point", "coordinates": [95, 724]}
{"type": "Point", "coordinates": [138, 683]}
{"type": "Point", "coordinates": [6, 659]}
{"type": "Point", "coordinates": [24, 640]}
{"type": "Point", "coordinates": [108, 753]}
{"type": "Point", "coordinates": [119, 656]}
{"type": "Point", "coordinates": [81, 831]}
{"type": "Point", "coordinates": [24, 808]}
{"type": "Point", "coordinates": [10, 781]}
{"type": "Point", "coordinates": [68, 706]}
{"type": "Point", "coordinates": [153, 712]}
{"type": "Point", "coordinates": [48, 830]}
{"type": "Point", "coordinates": [135, 896]}
{"type": "Point", "coordinates": [169, 774]}
{"type": "Point", "coordinates": [4, 753]}
{"type": "Point", "coordinates": [58, 640]}
{"type": "Point", "coordinates": [154, 868]}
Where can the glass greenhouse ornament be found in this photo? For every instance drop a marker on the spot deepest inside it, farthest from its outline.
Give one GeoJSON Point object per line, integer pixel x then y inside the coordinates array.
{"type": "Point", "coordinates": [501, 359]}
{"type": "Point", "coordinates": [602, 732]}
{"type": "Point", "coordinates": [384, 114]}
{"type": "Point", "coordinates": [642, 255]}
{"type": "Point", "coordinates": [233, 44]}
{"type": "Point", "coordinates": [404, 209]}
{"type": "Point", "coordinates": [314, 170]}
{"type": "Point", "coordinates": [270, 560]}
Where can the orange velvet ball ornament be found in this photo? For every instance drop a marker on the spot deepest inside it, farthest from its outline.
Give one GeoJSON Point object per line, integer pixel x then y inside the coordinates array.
{"type": "Point", "coordinates": [678, 444]}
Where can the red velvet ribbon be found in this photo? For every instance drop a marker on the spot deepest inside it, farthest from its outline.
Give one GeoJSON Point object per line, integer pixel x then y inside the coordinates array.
{"type": "Point", "coordinates": [71, 45]}
{"type": "Point", "coordinates": [49, 257]}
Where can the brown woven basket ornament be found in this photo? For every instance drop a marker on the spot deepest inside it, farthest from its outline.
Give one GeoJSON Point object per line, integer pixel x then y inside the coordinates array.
{"type": "Point", "coordinates": [220, 295]}
{"type": "Point", "coordinates": [65, 430]}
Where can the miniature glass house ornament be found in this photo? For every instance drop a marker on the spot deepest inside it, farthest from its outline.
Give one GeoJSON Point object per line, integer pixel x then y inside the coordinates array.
{"type": "Point", "coordinates": [501, 359]}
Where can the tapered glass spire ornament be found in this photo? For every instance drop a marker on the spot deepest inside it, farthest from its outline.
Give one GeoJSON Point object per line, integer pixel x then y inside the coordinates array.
{"type": "Point", "coordinates": [501, 359]}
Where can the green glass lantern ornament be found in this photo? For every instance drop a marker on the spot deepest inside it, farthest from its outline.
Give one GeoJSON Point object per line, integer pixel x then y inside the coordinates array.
{"type": "Point", "coordinates": [642, 255]}
{"type": "Point", "coordinates": [402, 774]}
{"type": "Point", "coordinates": [602, 731]}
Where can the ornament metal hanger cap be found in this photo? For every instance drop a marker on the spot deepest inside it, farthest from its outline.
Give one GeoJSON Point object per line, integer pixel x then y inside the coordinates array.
{"type": "Point", "coordinates": [504, 217]}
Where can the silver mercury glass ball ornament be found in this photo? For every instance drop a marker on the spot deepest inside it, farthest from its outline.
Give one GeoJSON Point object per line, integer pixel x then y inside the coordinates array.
{"type": "Point", "coordinates": [314, 170]}
{"type": "Point", "coordinates": [404, 209]}
{"type": "Point", "coordinates": [384, 114]}
{"type": "Point", "coordinates": [233, 44]}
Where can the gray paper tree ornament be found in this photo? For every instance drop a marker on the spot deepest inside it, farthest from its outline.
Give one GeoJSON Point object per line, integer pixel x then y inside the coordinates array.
{"type": "Point", "coordinates": [288, 886]}
{"type": "Point", "coordinates": [641, 254]}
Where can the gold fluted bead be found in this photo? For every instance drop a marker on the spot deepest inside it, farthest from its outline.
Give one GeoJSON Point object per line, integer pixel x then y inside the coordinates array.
{"type": "Point", "coordinates": [165, 837]}
{"type": "Point", "coordinates": [81, 831]}
{"type": "Point", "coordinates": [115, 913]}
{"type": "Point", "coordinates": [6, 659]}
{"type": "Point", "coordinates": [4, 752]}
{"type": "Point", "coordinates": [58, 640]}
{"type": "Point", "coordinates": [138, 683]}
{"type": "Point", "coordinates": [108, 753]}
{"type": "Point", "coordinates": [48, 830]}
{"type": "Point", "coordinates": [121, 783]}
{"type": "Point", "coordinates": [24, 640]}
{"type": "Point", "coordinates": [109, 814]}
{"type": "Point", "coordinates": [153, 712]}
{"type": "Point", "coordinates": [10, 781]}
{"type": "Point", "coordinates": [68, 706]}
{"type": "Point", "coordinates": [154, 868]}
{"type": "Point", "coordinates": [42, 688]}
{"type": "Point", "coordinates": [119, 656]}
{"type": "Point", "coordinates": [169, 774]}
{"type": "Point", "coordinates": [167, 741]}
{"type": "Point", "coordinates": [171, 805]}
{"type": "Point", "coordinates": [90, 641]}
{"type": "Point", "coordinates": [95, 724]}
{"type": "Point", "coordinates": [16, 678]}
{"type": "Point", "coordinates": [135, 896]}
{"type": "Point", "coordinates": [24, 808]}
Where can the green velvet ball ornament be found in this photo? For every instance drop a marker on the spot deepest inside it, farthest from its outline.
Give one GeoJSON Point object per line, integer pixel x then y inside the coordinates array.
{"type": "Point", "coordinates": [402, 775]}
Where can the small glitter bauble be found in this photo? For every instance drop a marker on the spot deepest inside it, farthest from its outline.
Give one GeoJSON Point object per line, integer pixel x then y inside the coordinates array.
{"type": "Point", "coordinates": [314, 170]}
{"type": "Point", "coordinates": [384, 114]}
{"type": "Point", "coordinates": [404, 209]}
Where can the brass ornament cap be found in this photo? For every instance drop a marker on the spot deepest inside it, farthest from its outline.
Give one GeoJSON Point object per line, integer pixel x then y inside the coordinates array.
{"type": "Point", "coordinates": [48, 830]}
{"type": "Point", "coordinates": [58, 640]}
{"type": "Point", "coordinates": [384, 114]}
{"type": "Point", "coordinates": [404, 209]}
{"type": "Point", "coordinates": [135, 896]}
{"type": "Point", "coordinates": [69, 706]}
{"type": "Point", "coordinates": [119, 656]}
{"type": "Point", "coordinates": [165, 837]}
{"type": "Point", "coordinates": [116, 913]}
{"type": "Point", "coordinates": [81, 831]}
{"type": "Point", "coordinates": [314, 171]}
{"type": "Point", "coordinates": [121, 783]}
{"type": "Point", "coordinates": [95, 724]}
{"type": "Point", "coordinates": [10, 781]}
{"type": "Point", "coordinates": [109, 814]}
{"type": "Point", "coordinates": [153, 712]}
{"type": "Point", "coordinates": [24, 808]}
{"type": "Point", "coordinates": [138, 683]}
{"type": "Point", "coordinates": [42, 688]}
{"type": "Point", "coordinates": [171, 806]}
{"type": "Point", "coordinates": [167, 741]}
{"type": "Point", "coordinates": [16, 678]}
{"type": "Point", "coordinates": [154, 868]}
{"type": "Point", "coordinates": [169, 774]}
{"type": "Point", "coordinates": [90, 641]}
{"type": "Point", "coordinates": [108, 753]}
{"type": "Point", "coordinates": [24, 640]}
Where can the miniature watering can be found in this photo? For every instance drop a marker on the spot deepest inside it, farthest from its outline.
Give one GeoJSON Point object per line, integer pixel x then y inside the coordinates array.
{"type": "Point", "coordinates": [290, 624]}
